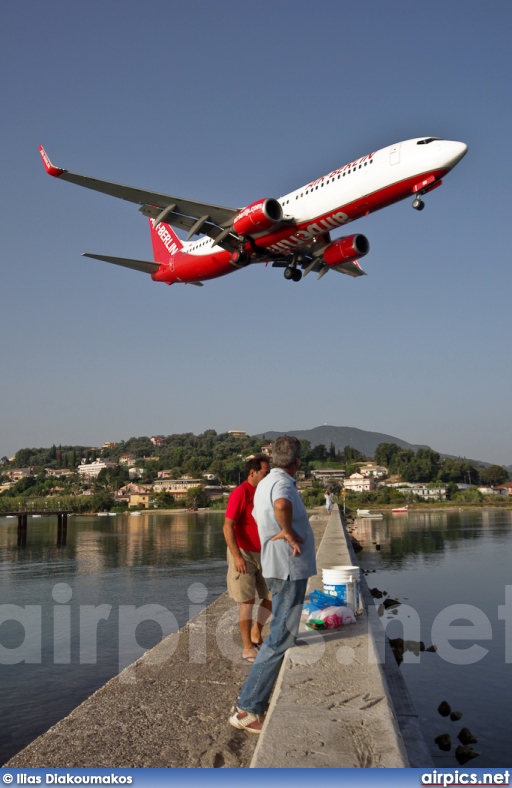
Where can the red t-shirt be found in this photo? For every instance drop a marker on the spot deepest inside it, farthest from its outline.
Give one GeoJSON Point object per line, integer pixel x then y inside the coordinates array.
{"type": "Point", "coordinates": [239, 509]}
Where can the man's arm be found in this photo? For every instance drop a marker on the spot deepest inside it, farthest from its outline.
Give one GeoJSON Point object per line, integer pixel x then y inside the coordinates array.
{"type": "Point", "coordinates": [229, 536]}
{"type": "Point", "coordinates": [283, 511]}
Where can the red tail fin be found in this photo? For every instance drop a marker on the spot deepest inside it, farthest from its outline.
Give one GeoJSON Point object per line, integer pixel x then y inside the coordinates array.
{"type": "Point", "coordinates": [165, 242]}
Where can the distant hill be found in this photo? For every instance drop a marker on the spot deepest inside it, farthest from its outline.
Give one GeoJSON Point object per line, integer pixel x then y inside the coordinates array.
{"type": "Point", "coordinates": [362, 440]}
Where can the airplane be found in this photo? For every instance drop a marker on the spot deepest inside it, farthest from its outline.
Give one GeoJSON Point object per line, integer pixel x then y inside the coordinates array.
{"type": "Point", "coordinates": [292, 232]}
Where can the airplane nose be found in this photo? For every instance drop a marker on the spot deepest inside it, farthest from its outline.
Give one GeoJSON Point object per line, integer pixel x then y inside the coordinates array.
{"type": "Point", "coordinates": [455, 152]}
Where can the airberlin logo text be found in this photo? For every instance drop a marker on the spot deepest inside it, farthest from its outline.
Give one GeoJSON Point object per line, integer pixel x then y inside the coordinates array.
{"type": "Point", "coordinates": [351, 165]}
{"type": "Point", "coordinates": [310, 232]}
{"type": "Point", "coordinates": [166, 238]}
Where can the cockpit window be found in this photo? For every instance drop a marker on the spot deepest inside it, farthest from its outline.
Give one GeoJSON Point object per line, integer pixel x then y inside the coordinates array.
{"type": "Point", "coordinates": [426, 142]}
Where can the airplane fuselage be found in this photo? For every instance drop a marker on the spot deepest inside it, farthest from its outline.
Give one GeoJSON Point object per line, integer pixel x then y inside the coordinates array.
{"type": "Point", "coordinates": [343, 195]}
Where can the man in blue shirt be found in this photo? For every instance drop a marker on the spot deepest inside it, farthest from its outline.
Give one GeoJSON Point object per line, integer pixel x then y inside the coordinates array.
{"type": "Point", "coordinates": [287, 561]}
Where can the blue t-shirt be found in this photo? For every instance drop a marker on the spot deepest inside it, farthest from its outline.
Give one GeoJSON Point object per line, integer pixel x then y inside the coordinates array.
{"type": "Point", "coordinates": [276, 557]}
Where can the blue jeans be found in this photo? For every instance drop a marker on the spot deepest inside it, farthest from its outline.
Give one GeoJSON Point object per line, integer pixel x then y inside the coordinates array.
{"type": "Point", "coordinates": [287, 600]}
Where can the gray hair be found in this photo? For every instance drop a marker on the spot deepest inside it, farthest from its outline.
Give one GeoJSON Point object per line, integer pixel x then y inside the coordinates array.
{"type": "Point", "coordinates": [285, 451]}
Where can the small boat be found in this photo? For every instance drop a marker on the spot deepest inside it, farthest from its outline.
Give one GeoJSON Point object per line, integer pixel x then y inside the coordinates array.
{"type": "Point", "coordinates": [400, 510]}
{"type": "Point", "coordinates": [368, 513]}
{"type": "Point", "coordinates": [135, 514]}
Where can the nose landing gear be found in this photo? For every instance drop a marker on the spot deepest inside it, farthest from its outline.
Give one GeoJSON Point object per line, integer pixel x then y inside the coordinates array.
{"type": "Point", "coordinates": [418, 204]}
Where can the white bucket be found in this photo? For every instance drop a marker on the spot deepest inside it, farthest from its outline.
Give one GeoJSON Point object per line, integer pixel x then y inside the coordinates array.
{"type": "Point", "coordinates": [340, 574]}
{"type": "Point", "coordinates": [343, 582]}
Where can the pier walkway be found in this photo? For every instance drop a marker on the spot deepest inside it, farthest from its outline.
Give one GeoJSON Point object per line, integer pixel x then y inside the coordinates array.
{"type": "Point", "coordinates": [340, 700]}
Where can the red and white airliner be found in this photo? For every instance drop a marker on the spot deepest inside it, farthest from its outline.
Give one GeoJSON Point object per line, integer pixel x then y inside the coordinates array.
{"type": "Point", "coordinates": [292, 232]}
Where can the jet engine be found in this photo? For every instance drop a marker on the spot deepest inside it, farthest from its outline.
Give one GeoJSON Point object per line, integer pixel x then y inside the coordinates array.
{"type": "Point", "coordinates": [351, 247]}
{"type": "Point", "coordinates": [258, 217]}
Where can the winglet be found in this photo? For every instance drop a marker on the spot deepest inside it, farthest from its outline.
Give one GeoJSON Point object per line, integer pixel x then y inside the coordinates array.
{"type": "Point", "coordinates": [50, 169]}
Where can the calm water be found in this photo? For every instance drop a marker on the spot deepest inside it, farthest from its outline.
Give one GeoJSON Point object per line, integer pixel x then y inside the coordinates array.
{"type": "Point", "coordinates": [111, 561]}
{"type": "Point", "coordinates": [430, 562]}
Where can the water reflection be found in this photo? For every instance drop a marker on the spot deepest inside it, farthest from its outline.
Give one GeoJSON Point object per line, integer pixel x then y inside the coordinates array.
{"type": "Point", "coordinates": [432, 561]}
{"type": "Point", "coordinates": [118, 561]}
{"type": "Point", "coordinates": [427, 533]}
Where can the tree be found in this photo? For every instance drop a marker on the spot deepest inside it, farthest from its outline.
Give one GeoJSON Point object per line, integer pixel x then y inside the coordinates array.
{"type": "Point", "coordinates": [196, 498]}
{"type": "Point", "coordinates": [352, 455]}
{"type": "Point", "coordinates": [494, 475]}
{"type": "Point", "coordinates": [385, 452]}
{"type": "Point", "coordinates": [218, 468]}
{"type": "Point", "coordinates": [22, 458]}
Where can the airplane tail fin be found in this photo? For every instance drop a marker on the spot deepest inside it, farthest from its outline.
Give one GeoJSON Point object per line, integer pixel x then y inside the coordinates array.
{"type": "Point", "coordinates": [165, 242]}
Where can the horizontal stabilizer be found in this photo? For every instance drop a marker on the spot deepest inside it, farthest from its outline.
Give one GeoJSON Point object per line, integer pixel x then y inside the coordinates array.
{"type": "Point", "coordinates": [137, 265]}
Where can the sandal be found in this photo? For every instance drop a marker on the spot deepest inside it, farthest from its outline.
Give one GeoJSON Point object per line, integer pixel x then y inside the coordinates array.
{"type": "Point", "coordinates": [243, 720]}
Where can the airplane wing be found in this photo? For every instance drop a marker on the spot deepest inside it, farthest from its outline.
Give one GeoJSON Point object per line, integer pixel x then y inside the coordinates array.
{"type": "Point", "coordinates": [179, 212]}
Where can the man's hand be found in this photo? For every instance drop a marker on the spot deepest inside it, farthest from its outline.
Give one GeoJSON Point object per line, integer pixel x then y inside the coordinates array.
{"type": "Point", "coordinates": [240, 564]}
{"type": "Point", "coordinates": [292, 539]}
{"type": "Point", "coordinates": [229, 535]}
{"type": "Point", "coordinates": [283, 511]}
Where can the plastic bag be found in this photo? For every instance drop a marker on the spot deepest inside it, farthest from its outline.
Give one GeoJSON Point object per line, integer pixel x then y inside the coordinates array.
{"type": "Point", "coordinates": [330, 617]}
{"type": "Point", "coordinates": [309, 608]}
{"type": "Point", "coordinates": [321, 599]}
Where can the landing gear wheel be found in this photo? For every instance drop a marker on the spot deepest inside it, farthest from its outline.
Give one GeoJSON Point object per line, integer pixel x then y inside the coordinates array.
{"type": "Point", "coordinates": [296, 275]}
{"type": "Point", "coordinates": [239, 258]}
{"type": "Point", "coordinates": [418, 204]}
{"type": "Point", "coordinates": [288, 273]}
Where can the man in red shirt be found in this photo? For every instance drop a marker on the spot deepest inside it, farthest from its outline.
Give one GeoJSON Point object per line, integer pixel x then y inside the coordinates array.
{"type": "Point", "coordinates": [244, 563]}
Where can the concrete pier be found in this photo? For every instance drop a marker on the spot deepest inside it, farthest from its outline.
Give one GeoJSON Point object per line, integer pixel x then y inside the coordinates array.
{"type": "Point", "coordinates": [336, 703]}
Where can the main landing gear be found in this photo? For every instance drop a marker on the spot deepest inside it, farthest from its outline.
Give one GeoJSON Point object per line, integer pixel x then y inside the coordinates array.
{"type": "Point", "coordinates": [295, 274]}
{"type": "Point", "coordinates": [240, 258]}
{"type": "Point", "coordinates": [418, 204]}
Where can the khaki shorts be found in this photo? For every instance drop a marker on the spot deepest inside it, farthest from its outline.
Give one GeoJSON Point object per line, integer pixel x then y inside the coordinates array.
{"type": "Point", "coordinates": [243, 587]}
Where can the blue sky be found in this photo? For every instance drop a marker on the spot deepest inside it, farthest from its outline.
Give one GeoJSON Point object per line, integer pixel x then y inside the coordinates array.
{"type": "Point", "coordinates": [229, 102]}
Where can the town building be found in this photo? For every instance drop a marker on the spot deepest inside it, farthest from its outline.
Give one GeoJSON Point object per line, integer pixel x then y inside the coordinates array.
{"type": "Point", "coordinates": [372, 469]}
{"type": "Point", "coordinates": [55, 474]}
{"type": "Point", "coordinates": [422, 490]}
{"type": "Point", "coordinates": [237, 433]}
{"type": "Point", "coordinates": [178, 488]}
{"type": "Point", "coordinates": [127, 459]}
{"type": "Point", "coordinates": [139, 500]}
{"type": "Point", "coordinates": [329, 475]}
{"type": "Point", "coordinates": [92, 470]}
{"type": "Point", "coordinates": [488, 490]}
{"type": "Point", "coordinates": [158, 440]}
{"type": "Point", "coordinates": [17, 474]}
{"type": "Point", "coordinates": [359, 483]}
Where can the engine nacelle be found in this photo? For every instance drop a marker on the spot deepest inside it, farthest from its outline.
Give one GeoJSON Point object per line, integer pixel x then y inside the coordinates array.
{"type": "Point", "coordinates": [258, 217]}
{"type": "Point", "coordinates": [351, 247]}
